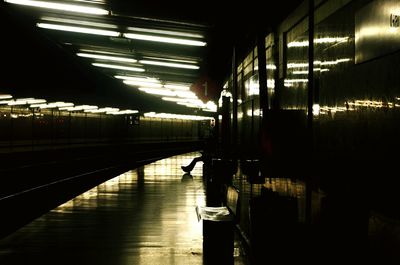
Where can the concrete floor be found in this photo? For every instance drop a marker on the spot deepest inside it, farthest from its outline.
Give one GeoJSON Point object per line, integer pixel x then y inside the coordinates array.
{"type": "Point", "coordinates": [145, 216]}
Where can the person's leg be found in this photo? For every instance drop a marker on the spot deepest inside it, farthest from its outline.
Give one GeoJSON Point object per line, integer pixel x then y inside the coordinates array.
{"type": "Point", "coordinates": [192, 164]}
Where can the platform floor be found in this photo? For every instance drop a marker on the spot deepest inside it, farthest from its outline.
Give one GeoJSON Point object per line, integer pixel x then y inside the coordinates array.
{"type": "Point", "coordinates": [145, 216]}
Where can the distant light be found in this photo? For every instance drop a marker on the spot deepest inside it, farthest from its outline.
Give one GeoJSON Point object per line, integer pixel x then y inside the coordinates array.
{"type": "Point", "coordinates": [102, 110]}
{"type": "Point", "coordinates": [106, 57]}
{"type": "Point", "coordinates": [142, 84]}
{"type": "Point", "coordinates": [123, 112]}
{"type": "Point", "coordinates": [5, 96]}
{"type": "Point", "coordinates": [52, 105]}
{"type": "Point", "coordinates": [119, 67]}
{"type": "Point", "coordinates": [79, 29]}
{"type": "Point", "coordinates": [59, 6]}
{"type": "Point", "coordinates": [167, 64]}
{"type": "Point", "coordinates": [164, 39]}
{"type": "Point", "coordinates": [79, 108]}
{"type": "Point", "coordinates": [167, 32]}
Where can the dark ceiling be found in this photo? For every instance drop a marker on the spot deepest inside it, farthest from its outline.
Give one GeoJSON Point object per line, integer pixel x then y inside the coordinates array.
{"type": "Point", "coordinates": [45, 69]}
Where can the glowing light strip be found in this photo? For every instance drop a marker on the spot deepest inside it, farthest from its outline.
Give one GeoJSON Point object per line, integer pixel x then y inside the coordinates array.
{"type": "Point", "coordinates": [63, 7]}
{"type": "Point", "coordinates": [174, 65]}
{"type": "Point", "coordinates": [142, 84]}
{"type": "Point", "coordinates": [79, 22]}
{"type": "Point", "coordinates": [177, 87]}
{"type": "Point", "coordinates": [167, 32]}
{"type": "Point", "coordinates": [176, 116]}
{"type": "Point", "coordinates": [5, 96]}
{"type": "Point", "coordinates": [160, 92]}
{"type": "Point", "coordinates": [164, 39]}
{"type": "Point", "coordinates": [106, 57]}
{"type": "Point", "coordinates": [137, 78]}
{"type": "Point", "coordinates": [79, 29]}
{"type": "Point", "coordinates": [119, 67]}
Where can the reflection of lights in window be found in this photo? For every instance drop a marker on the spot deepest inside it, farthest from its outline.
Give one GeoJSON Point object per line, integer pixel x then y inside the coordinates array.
{"type": "Point", "coordinates": [305, 72]}
{"type": "Point", "coordinates": [59, 6]}
{"type": "Point", "coordinates": [79, 29]}
{"type": "Point", "coordinates": [324, 63]}
{"type": "Point", "coordinates": [271, 83]}
{"type": "Point", "coordinates": [256, 112]}
{"type": "Point", "coordinates": [269, 67]}
{"type": "Point", "coordinates": [167, 32]}
{"type": "Point", "coordinates": [317, 41]}
{"type": "Point", "coordinates": [168, 64]}
{"type": "Point", "coordinates": [119, 67]}
{"type": "Point", "coordinates": [253, 87]}
{"type": "Point", "coordinates": [164, 39]}
{"type": "Point", "coordinates": [176, 116]}
{"type": "Point", "coordinates": [106, 57]}
{"type": "Point", "coordinates": [296, 81]}
{"type": "Point", "coordinates": [80, 22]}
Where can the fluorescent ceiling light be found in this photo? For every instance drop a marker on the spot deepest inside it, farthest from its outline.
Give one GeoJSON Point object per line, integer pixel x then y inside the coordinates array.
{"type": "Point", "coordinates": [177, 87]}
{"type": "Point", "coordinates": [185, 94]}
{"type": "Point", "coordinates": [160, 92]}
{"type": "Point", "coordinates": [5, 96]}
{"type": "Point", "coordinates": [164, 39]}
{"type": "Point", "coordinates": [106, 57]}
{"type": "Point", "coordinates": [59, 6]}
{"type": "Point", "coordinates": [175, 116]}
{"type": "Point", "coordinates": [119, 67]}
{"type": "Point", "coordinates": [170, 60]}
{"type": "Point", "coordinates": [175, 65]}
{"type": "Point", "coordinates": [80, 22]}
{"type": "Point", "coordinates": [79, 108]}
{"type": "Point", "coordinates": [123, 112]}
{"type": "Point", "coordinates": [167, 32]}
{"type": "Point", "coordinates": [79, 29]}
{"type": "Point", "coordinates": [142, 84]}
{"type": "Point", "coordinates": [138, 78]}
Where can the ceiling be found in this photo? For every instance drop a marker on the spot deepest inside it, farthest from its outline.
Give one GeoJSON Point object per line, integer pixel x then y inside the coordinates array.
{"type": "Point", "coordinates": [126, 46]}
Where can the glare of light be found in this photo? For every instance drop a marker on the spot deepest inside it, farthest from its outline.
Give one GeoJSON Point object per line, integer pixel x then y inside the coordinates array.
{"type": "Point", "coordinates": [142, 84]}
{"type": "Point", "coordinates": [79, 22]}
{"type": "Point", "coordinates": [304, 65]}
{"type": "Point", "coordinates": [296, 81]}
{"type": "Point", "coordinates": [138, 78]}
{"type": "Point", "coordinates": [106, 57]}
{"type": "Point", "coordinates": [164, 39]}
{"type": "Point", "coordinates": [167, 64]}
{"type": "Point", "coordinates": [254, 88]}
{"type": "Point", "coordinates": [256, 112]}
{"type": "Point", "coordinates": [174, 99]}
{"type": "Point", "coordinates": [160, 92]}
{"type": "Point", "coordinates": [177, 87]}
{"type": "Point", "coordinates": [59, 6]}
{"type": "Point", "coordinates": [305, 72]}
{"type": "Point", "coordinates": [5, 96]}
{"type": "Point", "coordinates": [169, 60]}
{"type": "Point", "coordinates": [167, 32]}
{"type": "Point", "coordinates": [119, 67]}
{"type": "Point", "coordinates": [211, 106]}
{"type": "Point", "coordinates": [317, 41]}
{"type": "Point", "coordinates": [269, 67]}
{"type": "Point", "coordinates": [271, 83]}
{"type": "Point", "coordinates": [79, 29]}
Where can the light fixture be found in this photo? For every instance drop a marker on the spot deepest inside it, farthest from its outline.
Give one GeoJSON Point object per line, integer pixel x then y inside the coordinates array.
{"type": "Point", "coordinates": [79, 22]}
{"type": "Point", "coordinates": [160, 92]}
{"type": "Point", "coordinates": [138, 78]}
{"type": "Point", "coordinates": [177, 87]}
{"type": "Point", "coordinates": [142, 84]}
{"type": "Point", "coordinates": [106, 57]}
{"type": "Point", "coordinates": [5, 96]}
{"type": "Point", "coordinates": [119, 67]}
{"type": "Point", "coordinates": [164, 39]}
{"type": "Point", "coordinates": [60, 6]}
{"type": "Point", "coordinates": [168, 64]}
{"type": "Point", "coordinates": [100, 32]}
{"type": "Point", "coordinates": [176, 116]}
{"type": "Point", "coordinates": [167, 32]}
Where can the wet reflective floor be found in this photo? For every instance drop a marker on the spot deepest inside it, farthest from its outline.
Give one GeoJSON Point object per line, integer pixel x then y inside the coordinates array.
{"type": "Point", "coordinates": [145, 216]}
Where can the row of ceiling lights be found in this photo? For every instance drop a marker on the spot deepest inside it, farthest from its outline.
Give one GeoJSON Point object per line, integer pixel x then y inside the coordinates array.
{"type": "Point", "coordinates": [170, 92]}
{"type": "Point", "coordinates": [33, 103]}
